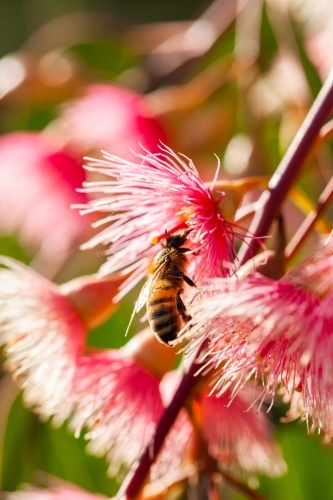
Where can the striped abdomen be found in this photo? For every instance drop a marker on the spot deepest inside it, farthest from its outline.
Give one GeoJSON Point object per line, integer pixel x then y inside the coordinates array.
{"type": "Point", "coordinates": [163, 315]}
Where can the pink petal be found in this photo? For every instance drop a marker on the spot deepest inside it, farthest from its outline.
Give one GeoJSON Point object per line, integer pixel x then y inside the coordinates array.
{"type": "Point", "coordinates": [38, 185]}
{"type": "Point", "coordinates": [110, 117]}
{"type": "Point", "coordinates": [58, 493]}
{"type": "Point", "coordinates": [119, 403]}
{"type": "Point", "coordinates": [160, 192]}
{"type": "Point", "coordinates": [277, 331]}
{"type": "Point", "coordinates": [238, 436]}
{"type": "Point", "coordinates": [43, 337]}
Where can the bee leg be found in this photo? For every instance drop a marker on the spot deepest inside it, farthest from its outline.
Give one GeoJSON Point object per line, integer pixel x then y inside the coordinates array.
{"type": "Point", "coordinates": [183, 250]}
{"type": "Point", "coordinates": [182, 309]}
{"type": "Point", "coordinates": [185, 278]}
{"type": "Point", "coordinates": [188, 280]}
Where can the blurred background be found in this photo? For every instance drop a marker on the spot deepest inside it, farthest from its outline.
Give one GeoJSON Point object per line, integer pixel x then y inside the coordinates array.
{"type": "Point", "coordinates": [231, 78]}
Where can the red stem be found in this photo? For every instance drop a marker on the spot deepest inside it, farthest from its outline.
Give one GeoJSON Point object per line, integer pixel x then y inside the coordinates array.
{"type": "Point", "coordinates": [135, 480]}
{"type": "Point", "coordinates": [288, 169]}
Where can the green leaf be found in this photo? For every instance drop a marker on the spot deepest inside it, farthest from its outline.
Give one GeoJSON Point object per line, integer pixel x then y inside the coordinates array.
{"type": "Point", "coordinates": [110, 58]}
{"type": "Point", "coordinates": [31, 446]}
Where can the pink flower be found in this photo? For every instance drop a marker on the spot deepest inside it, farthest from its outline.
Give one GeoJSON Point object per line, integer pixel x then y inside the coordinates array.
{"type": "Point", "coordinates": [38, 183]}
{"type": "Point", "coordinates": [162, 192]}
{"type": "Point", "coordinates": [118, 401]}
{"type": "Point", "coordinates": [44, 337]}
{"type": "Point", "coordinates": [115, 394]}
{"type": "Point", "coordinates": [43, 327]}
{"type": "Point", "coordinates": [70, 492]}
{"type": "Point", "coordinates": [280, 332]}
{"type": "Point", "coordinates": [109, 117]}
{"type": "Point", "coordinates": [239, 437]}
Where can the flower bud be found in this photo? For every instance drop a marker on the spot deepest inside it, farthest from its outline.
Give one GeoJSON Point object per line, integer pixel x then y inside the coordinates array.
{"type": "Point", "coordinates": [92, 297]}
{"type": "Point", "coordinates": [151, 354]}
{"type": "Point", "coordinates": [234, 193]}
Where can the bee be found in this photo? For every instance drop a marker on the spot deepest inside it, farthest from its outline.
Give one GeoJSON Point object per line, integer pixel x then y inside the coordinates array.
{"type": "Point", "coordinates": [163, 288]}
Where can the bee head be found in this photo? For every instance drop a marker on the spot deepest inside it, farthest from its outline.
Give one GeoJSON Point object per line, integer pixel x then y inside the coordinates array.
{"type": "Point", "coordinates": [176, 240]}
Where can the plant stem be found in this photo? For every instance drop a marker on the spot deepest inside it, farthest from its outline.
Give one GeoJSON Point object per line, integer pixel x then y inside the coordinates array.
{"type": "Point", "coordinates": [288, 169]}
{"type": "Point", "coordinates": [323, 202]}
{"type": "Point", "coordinates": [135, 480]}
{"type": "Point", "coordinates": [326, 134]}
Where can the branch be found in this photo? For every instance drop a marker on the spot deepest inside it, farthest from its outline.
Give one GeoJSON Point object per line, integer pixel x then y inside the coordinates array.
{"type": "Point", "coordinates": [135, 480]}
{"type": "Point", "coordinates": [324, 201]}
{"type": "Point", "coordinates": [289, 168]}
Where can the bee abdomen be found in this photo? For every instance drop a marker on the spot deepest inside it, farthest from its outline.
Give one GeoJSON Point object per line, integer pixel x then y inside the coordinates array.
{"type": "Point", "coordinates": [162, 300]}
{"type": "Point", "coordinates": [164, 318]}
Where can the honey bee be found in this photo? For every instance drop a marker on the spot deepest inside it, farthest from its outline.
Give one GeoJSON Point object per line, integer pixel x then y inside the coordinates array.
{"type": "Point", "coordinates": [162, 290]}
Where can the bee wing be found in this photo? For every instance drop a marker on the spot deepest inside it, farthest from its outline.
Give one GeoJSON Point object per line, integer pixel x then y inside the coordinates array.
{"type": "Point", "coordinates": [144, 294]}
